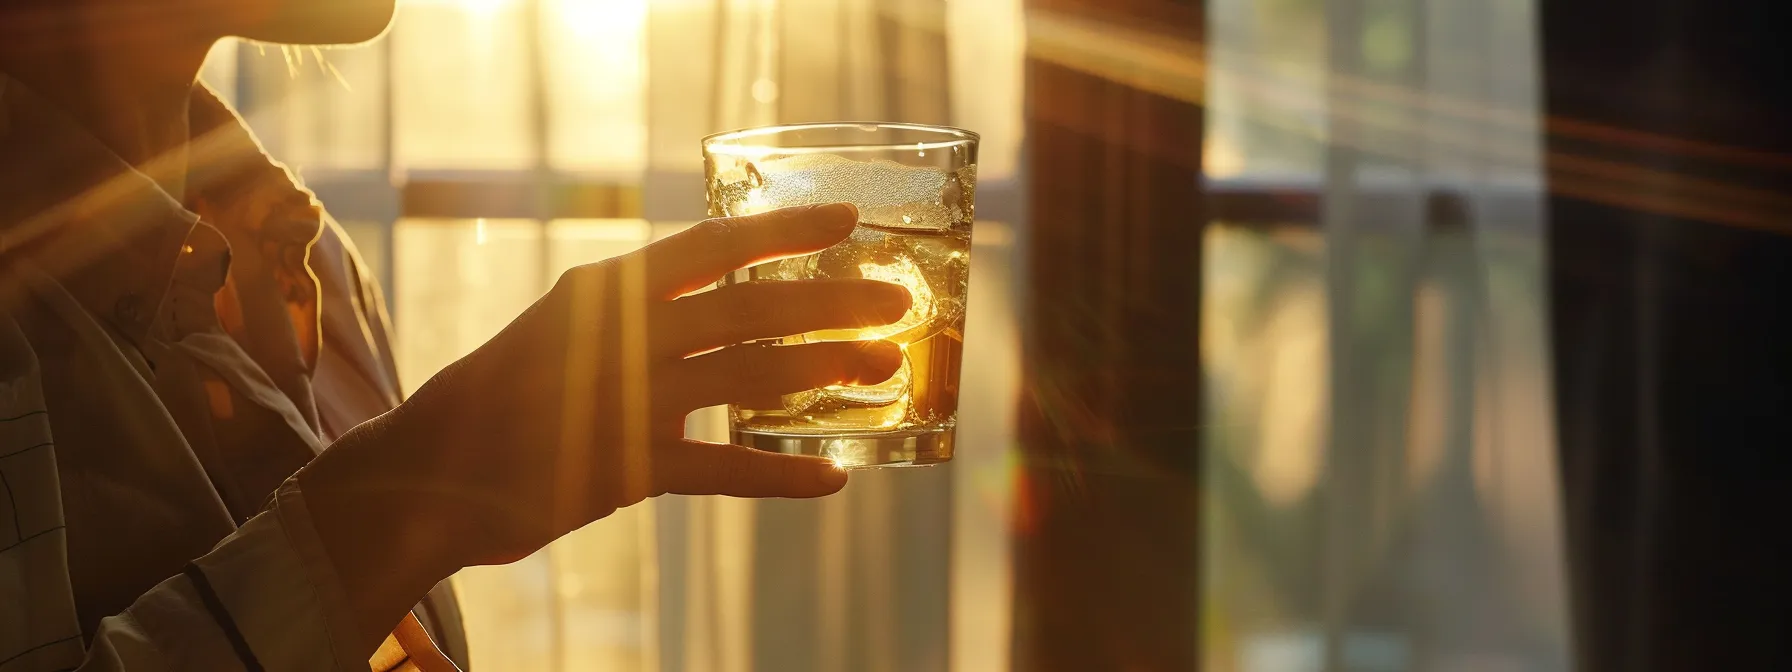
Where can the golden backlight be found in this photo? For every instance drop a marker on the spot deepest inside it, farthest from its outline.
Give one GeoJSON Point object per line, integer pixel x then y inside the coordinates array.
{"type": "Point", "coordinates": [586, 18]}
{"type": "Point", "coordinates": [476, 87]}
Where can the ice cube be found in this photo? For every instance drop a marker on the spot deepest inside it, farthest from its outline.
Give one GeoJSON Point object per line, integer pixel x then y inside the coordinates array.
{"type": "Point", "coordinates": [944, 267]}
{"type": "Point", "coordinates": [923, 264]}
{"type": "Point", "coordinates": [903, 271]}
{"type": "Point", "coordinates": [803, 403]}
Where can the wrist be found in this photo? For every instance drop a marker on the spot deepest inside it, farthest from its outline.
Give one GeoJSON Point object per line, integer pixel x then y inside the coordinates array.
{"type": "Point", "coordinates": [386, 546]}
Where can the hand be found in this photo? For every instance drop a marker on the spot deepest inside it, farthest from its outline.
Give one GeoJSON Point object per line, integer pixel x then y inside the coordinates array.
{"type": "Point", "coordinates": [577, 408]}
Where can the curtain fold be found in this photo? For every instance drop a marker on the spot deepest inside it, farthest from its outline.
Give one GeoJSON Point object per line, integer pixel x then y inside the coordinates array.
{"type": "Point", "coordinates": [1670, 248]}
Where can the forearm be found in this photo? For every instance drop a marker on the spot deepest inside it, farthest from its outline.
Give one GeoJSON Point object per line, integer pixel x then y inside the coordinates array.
{"type": "Point", "coordinates": [266, 597]}
{"type": "Point", "coordinates": [387, 547]}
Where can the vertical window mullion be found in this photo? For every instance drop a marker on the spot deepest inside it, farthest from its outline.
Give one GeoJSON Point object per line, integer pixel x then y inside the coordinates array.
{"type": "Point", "coordinates": [542, 177]}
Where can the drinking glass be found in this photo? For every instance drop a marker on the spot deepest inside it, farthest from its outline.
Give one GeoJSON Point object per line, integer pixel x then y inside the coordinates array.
{"type": "Point", "coordinates": [914, 186]}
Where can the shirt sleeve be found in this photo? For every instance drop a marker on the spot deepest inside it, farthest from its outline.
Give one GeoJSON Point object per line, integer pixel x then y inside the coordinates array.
{"type": "Point", "coordinates": [266, 598]}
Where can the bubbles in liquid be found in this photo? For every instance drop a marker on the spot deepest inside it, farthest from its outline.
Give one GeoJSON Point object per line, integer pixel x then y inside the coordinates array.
{"type": "Point", "coordinates": [887, 193]}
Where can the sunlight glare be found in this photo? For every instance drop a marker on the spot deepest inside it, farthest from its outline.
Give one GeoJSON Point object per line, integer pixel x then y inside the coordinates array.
{"type": "Point", "coordinates": [613, 20]}
{"type": "Point", "coordinates": [596, 53]}
{"type": "Point", "coordinates": [475, 7]}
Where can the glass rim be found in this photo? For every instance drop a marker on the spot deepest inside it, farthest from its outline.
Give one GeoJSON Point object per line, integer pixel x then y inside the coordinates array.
{"type": "Point", "coordinates": [725, 141]}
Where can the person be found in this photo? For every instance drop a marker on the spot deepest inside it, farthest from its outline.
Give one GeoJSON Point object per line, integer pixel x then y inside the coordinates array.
{"type": "Point", "coordinates": [204, 455]}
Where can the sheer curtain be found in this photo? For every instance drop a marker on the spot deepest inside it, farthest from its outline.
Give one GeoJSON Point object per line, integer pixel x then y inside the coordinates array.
{"type": "Point", "coordinates": [1381, 465]}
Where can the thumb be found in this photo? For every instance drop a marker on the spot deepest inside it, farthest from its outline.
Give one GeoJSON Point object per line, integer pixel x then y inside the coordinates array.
{"type": "Point", "coordinates": [689, 467]}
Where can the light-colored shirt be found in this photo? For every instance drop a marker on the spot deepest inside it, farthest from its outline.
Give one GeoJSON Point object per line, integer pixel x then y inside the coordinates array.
{"type": "Point", "coordinates": [166, 364]}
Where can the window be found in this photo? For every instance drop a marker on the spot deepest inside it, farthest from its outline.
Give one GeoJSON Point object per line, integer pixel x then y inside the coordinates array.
{"type": "Point", "coordinates": [1371, 322]}
{"type": "Point", "coordinates": [1379, 457]}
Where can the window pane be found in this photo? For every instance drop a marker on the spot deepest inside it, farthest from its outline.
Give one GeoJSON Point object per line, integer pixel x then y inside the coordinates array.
{"type": "Point", "coordinates": [507, 611]}
{"type": "Point", "coordinates": [333, 107]}
{"type": "Point", "coordinates": [987, 47]}
{"type": "Point", "coordinates": [458, 282]}
{"type": "Point", "coordinates": [580, 604]}
{"type": "Point", "coordinates": [605, 603]}
{"type": "Point", "coordinates": [1432, 544]}
{"type": "Point", "coordinates": [461, 88]}
{"type": "Point", "coordinates": [1266, 96]}
{"type": "Point", "coordinates": [597, 92]}
{"type": "Point", "coordinates": [369, 239]}
{"type": "Point", "coordinates": [1265, 365]}
{"type": "Point", "coordinates": [316, 108]}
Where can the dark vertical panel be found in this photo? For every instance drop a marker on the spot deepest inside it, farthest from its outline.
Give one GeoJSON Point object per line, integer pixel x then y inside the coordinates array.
{"type": "Point", "coordinates": [1106, 541]}
{"type": "Point", "coordinates": [1670, 161]}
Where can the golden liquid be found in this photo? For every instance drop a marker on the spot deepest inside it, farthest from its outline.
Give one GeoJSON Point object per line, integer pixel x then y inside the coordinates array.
{"type": "Point", "coordinates": [914, 230]}
{"type": "Point", "coordinates": [923, 394]}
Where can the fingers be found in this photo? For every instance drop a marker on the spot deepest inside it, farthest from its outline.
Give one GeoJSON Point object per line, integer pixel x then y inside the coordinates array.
{"type": "Point", "coordinates": [686, 262]}
{"type": "Point", "coordinates": [698, 468]}
{"type": "Point", "coordinates": [773, 309]}
{"type": "Point", "coordinates": [757, 372]}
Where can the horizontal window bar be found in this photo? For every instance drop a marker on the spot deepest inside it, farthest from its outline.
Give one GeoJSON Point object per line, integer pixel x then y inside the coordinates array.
{"type": "Point", "coordinates": [527, 195]}
{"type": "Point", "coordinates": [520, 200]}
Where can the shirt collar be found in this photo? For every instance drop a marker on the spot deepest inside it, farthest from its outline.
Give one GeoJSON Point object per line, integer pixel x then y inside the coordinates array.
{"type": "Point", "coordinates": [110, 234]}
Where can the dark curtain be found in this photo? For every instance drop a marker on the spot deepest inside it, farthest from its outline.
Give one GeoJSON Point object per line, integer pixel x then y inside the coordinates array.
{"type": "Point", "coordinates": [1670, 165]}
{"type": "Point", "coordinates": [1106, 562]}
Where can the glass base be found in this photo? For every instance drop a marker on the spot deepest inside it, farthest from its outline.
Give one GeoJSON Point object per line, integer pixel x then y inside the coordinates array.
{"type": "Point", "coordinates": [915, 448]}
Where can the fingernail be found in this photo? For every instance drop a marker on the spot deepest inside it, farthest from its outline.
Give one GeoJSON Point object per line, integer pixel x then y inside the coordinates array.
{"type": "Point", "coordinates": [830, 476]}
{"type": "Point", "coordinates": [880, 361]}
{"type": "Point", "coordinates": [893, 300]}
{"type": "Point", "coordinates": [837, 214]}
